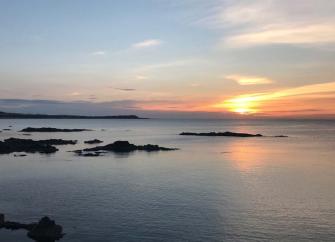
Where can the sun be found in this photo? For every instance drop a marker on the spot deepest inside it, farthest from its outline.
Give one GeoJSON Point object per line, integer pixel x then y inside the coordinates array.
{"type": "Point", "coordinates": [242, 105]}
{"type": "Point", "coordinates": [242, 111]}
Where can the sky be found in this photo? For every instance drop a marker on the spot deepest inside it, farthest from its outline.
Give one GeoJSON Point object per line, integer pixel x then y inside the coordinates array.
{"type": "Point", "coordinates": [169, 58]}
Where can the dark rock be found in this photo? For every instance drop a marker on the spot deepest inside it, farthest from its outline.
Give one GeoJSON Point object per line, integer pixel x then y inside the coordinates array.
{"type": "Point", "coordinates": [228, 134]}
{"type": "Point", "coordinates": [93, 141]}
{"type": "Point", "coordinates": [59, 142]}
{"type": "Point", "coordinates": [30, 129]}
{"type": "Point", "coordinates": [12, 145]}
{"type": "Point", "coordinates": [2, 219]}
{"type": "Point", "coordinates": [46, 230]}
{"type": "Point", "coordinates": [123, 147]}
{"type": "Point", "coordinates": [20, 155]}
{"type": "Point", "coordinates": [280, 136]}
{"type": "Point", "coordinates": [6, 129]}
{"type": "Point", "coordinates": [27, 134]}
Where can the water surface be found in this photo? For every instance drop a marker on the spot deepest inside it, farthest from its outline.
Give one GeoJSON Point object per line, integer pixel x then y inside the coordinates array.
{"type": "Point", "coordinates": [212, 189]}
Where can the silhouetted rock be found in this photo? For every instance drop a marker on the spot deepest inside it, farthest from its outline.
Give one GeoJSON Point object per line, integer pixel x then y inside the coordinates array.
{"type": "Point", "coordinates": [228, 134]}
{"type": "Point", "coordinates": [12, 145]}
{"type": "Point", "coordinates": [2, 219]}
{"type": "Point", "coordinates": [93, 141]}
{"type": "Point", "coordinates": [280, 136]}
{"type": "Point", "coordinates": [20, 155]}
{"type": "Point", "coordinates": [30, 129]}
{"type": "Point", "coordinates": [59, 142]}
{"type": "Point", "coordinates": [123, 147]}
{"type": "Point", "coordinates": [6, 129]}
{"type": "Point", "coordinates": [46, 230]}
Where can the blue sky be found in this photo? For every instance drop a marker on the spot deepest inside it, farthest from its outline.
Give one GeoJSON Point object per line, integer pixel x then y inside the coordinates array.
{"type": "Point", "coordinates": [169, 56]}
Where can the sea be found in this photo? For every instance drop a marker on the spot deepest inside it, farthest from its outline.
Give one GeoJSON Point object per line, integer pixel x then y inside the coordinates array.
{"type": "Point", "coordinates": [211, 189]}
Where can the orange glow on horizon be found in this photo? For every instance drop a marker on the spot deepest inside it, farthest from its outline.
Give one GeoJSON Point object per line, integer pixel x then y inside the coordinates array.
{"type": "Point", "coordinates": [261, 102]}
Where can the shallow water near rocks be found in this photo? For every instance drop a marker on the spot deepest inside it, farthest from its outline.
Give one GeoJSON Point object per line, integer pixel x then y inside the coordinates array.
{"type": "Point", "coordinates": [212, 189]}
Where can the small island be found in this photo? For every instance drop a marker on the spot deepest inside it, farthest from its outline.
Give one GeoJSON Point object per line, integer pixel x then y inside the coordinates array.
{"type": "Point", "coordinates": [120, 147]}
{"type": "Point", "coordinates": [227, 134]}
{"type": "Point", "coordinates": [13, 145]}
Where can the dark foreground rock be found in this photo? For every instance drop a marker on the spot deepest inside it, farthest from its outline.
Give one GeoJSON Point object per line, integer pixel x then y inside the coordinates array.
{"type": "Point", "coordinates": [228, 134]}
{"type": "Point", "coordinates": [12, 145]}
{"type": "Point", "coordinates": [121, 147]}
{"type": "Point", "coordinates": [46, 230]}
{"type": "Point", "coordinates": [49, 130]}
{"type": "Point", "coordinates": [93, 141]}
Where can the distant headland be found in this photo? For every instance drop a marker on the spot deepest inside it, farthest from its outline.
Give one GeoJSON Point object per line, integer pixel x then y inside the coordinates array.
{"type": "Point", "coordinates": [4, 115]}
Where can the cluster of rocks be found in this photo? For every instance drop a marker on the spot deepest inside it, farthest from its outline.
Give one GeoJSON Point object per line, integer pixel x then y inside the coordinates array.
{"type": "Point", "coordinates": [227, 134]}
{"type": "Point", "coordinates": [120, 147]}
{"type": "Point", "coordinates": [45, 230]}
{"type": "Point", "coordinates": [12, 145]}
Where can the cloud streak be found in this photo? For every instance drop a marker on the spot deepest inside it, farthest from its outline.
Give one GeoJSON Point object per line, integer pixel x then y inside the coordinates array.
{"type": "Point", "coordinates": [147, 44]}
{"type": "Point", "coordinates": [268, 22]}
{"type": "Point", "coordinates": [249, 80]}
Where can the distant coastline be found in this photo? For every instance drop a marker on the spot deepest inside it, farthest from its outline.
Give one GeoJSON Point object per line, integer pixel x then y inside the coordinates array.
{"type": "Point", "coordinates": [4, 115]}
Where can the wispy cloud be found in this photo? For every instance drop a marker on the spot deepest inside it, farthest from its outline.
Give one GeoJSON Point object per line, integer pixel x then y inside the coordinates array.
{"type": "Point", "coordinates": [141, 77]}
{"type": "Point", "coordinates": [124, 89]}
{"type": "Point", "coordinates": [99, 52]}
{"type": "Point", "coordinates": [147, 43]}
{"type": "Point", "coordinates": [249, 80]}
{"type": "Point", "coordinates": [264, 22]}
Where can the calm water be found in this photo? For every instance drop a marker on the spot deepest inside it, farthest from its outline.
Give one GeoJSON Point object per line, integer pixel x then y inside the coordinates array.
{"type": "Point", "coordinates": [213, 189]}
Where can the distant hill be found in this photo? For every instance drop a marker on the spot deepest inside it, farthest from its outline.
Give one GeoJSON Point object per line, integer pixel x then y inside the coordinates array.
{"type": "Point", "coordinates": [4, 115]}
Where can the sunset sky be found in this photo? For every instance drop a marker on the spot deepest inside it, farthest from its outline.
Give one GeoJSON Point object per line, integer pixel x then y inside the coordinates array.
{"type": "Point", "coordinates": [169, 58]}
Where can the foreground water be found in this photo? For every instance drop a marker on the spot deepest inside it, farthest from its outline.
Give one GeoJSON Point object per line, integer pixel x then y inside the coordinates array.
{"type": "Point", "coordinates": [213, 189]}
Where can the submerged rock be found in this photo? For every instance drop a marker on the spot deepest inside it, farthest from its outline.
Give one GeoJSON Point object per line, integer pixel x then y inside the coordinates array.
{"type": "Point", "coordinates": [93, 141]}
{"type": "Point", "coordinates": [30, 129]}
{"type": "Point", "coordinates": [228, 134]}
{"type": "Point", "coordinates": [122, 147]}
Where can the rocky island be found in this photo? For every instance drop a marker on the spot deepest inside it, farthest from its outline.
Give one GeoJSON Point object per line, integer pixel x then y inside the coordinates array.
{"type": "Point", "coordinates": [45, 230]}
{"type": "Point", "coordinates": [13, 145]}
{"type": "Point", "coordinates": [121, 147]}
{"type": "Point", "coordinates": [228, 134]}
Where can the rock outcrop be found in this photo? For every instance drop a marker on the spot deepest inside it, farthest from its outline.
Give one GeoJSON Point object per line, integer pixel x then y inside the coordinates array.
{"type": "Point", "coordinates": [93, 141]}
{"type": "Point", "coordinates": [228, 134]}
{"type": "Point", "coordinates": [121, 147]}
{"type": "Point", "coordinates": [12, 145]}
{"type": "Point", "coordinates": [46, 230]}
